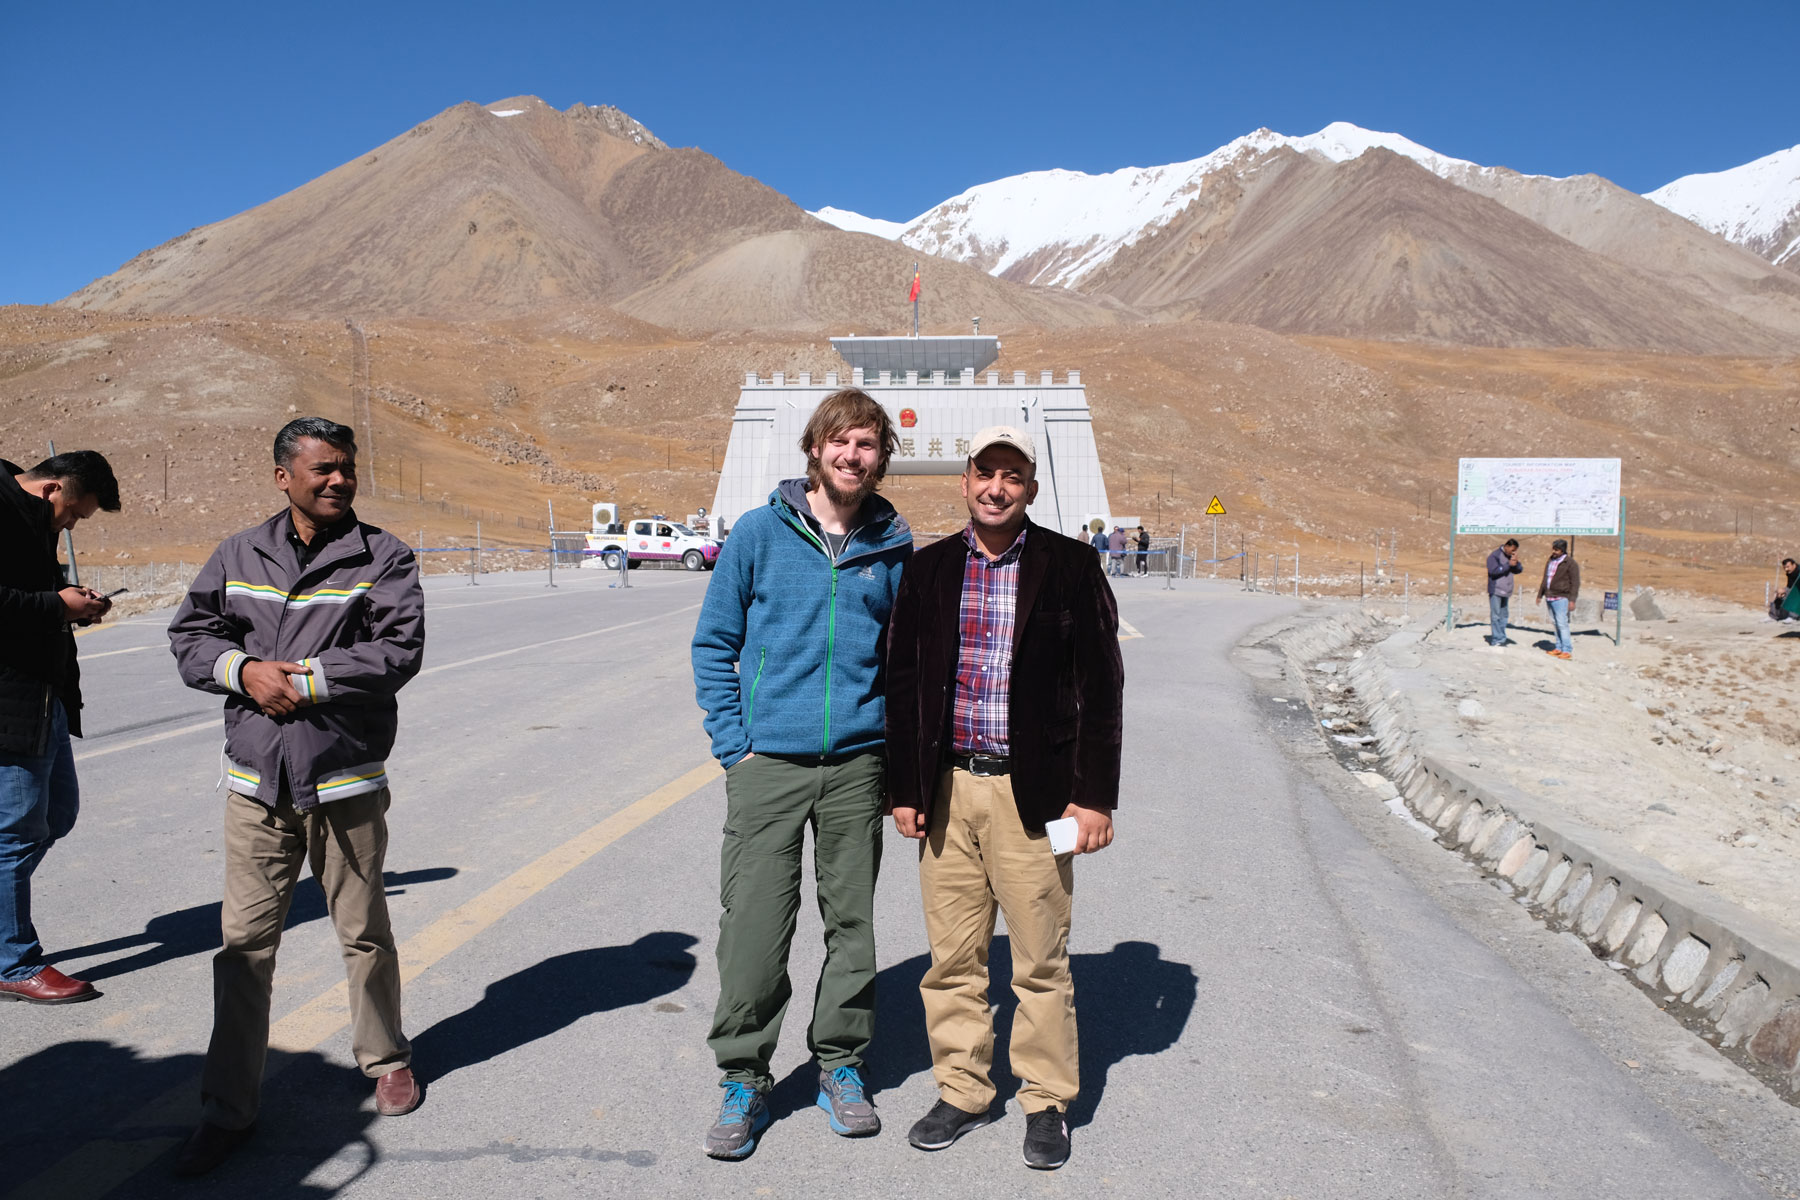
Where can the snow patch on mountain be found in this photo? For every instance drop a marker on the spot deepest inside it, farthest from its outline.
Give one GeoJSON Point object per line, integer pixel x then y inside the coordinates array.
{"type": "Point", "coordinates": [1056, 227]}
{"type": "Point", "coordinates": [855, 222]}
{"type": "Point", "coordinates": [1753, 205]}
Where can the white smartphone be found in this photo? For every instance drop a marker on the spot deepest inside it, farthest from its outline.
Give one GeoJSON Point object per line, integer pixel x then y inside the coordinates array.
{"type": "Point", "coordinates": [1062, 834]}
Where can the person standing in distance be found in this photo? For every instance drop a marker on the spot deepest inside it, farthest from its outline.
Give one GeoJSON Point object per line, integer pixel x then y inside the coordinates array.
{"type": "Point", "coordinates": [1502, 565]}
{"type": "Point", "coordinates": [1560, 587]}
{"type": "Point", "coordinates": [1006, 697]}
{"type": "Point", "coordinates": [309, 625]}
{"type": "Point", "coordinates": [40, 697]}
{"type": "Point", "coordinates": [787, 660]}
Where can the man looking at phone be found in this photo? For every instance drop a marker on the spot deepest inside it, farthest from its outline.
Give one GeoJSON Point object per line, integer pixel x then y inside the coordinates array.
{"type": "Point", "coordinates": [1005, 710]}
{"type": "Point", "coordinates": [40, 697]}
{"type": "Point", "coordinates": [308, 625]}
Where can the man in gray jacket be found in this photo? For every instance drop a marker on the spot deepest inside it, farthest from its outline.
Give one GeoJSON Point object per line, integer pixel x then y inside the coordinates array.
{"type": "Point", "coordinates": [308, 624]}
{"type": "Point", "coordinates": [1502, 565]}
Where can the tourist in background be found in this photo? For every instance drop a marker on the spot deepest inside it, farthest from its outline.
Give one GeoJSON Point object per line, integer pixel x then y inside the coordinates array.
{"type": "Point", "coordinates": [1786, 604]}
{"type": "Point", "coordinates": [1115, 563]}
{"type": "Point", "coordinates": [1559, 588]}
{"type": "Point", "coordinates": [1143, 551]}
{"type": "Point", "coordinates": [40, 698]}
{"type": "Point", "coordinates": [1502, 565]}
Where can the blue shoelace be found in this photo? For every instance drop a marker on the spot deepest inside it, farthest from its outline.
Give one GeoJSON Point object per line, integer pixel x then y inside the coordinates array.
{"type": "Point", "coordinates": [850, 1085]}
{"type": "Point", "coordinates": [738, 1100]}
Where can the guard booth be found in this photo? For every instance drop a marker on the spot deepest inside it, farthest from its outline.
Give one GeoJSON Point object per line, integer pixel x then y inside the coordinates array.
{"type": "Point", "coordinates": [939, 393]}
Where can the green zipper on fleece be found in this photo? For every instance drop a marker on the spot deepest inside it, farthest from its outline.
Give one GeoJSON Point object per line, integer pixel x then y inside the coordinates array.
{"type": "Point", "coordinates": [762, 656]}
{"type": "Point", "coordinates": [830, 624]}
{"type": "Point", "coordinates": [830, 652]}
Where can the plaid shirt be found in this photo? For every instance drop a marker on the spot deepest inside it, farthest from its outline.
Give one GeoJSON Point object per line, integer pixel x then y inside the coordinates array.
{"type": "Point", "coordinates": [990, 604]}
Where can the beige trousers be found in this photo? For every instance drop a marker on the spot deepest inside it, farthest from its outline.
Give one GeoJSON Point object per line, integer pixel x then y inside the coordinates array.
{"type": "Point", "coordinates": [977, 857]}
{"type": "Point", "coordinates": [345, 841]}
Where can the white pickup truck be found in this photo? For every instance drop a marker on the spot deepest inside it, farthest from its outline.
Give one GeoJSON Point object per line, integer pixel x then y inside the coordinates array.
{"type": "Point", "coordinates": [651, 539]}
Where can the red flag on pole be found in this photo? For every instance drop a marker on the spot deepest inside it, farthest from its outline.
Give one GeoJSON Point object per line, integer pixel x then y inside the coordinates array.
{"type": "Point", "coordinates": [912, 297]}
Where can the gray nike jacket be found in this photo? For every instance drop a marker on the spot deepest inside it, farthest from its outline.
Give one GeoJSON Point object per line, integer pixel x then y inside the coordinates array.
{"type": "Point", "coordinates": [355, 614]}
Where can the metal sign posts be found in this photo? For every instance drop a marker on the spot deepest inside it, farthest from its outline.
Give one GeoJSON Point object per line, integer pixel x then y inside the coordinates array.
{"type": "Point", "coordinates": [1571, 496]}
{"type": "Point", "coordinates": [1215, 510]}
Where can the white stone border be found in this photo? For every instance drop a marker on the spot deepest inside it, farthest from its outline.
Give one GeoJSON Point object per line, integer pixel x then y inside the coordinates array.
{"type": "Point", "coordinates": [1719, 966]}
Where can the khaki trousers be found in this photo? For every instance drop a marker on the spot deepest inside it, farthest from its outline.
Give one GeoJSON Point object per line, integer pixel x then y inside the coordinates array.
{"type": "Point", "coordinates": [345, 841]}
{"type": "Point", "coordinates": [978, 857]}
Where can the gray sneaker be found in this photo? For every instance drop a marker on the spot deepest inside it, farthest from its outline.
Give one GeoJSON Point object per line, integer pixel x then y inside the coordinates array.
{"type": "Point", "coordinates": [743, 1115]}
{"type": "Point", "coordinates": [841, 1096]}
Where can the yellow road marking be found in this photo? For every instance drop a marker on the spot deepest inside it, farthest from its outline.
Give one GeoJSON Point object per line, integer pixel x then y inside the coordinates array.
{"type": "Point", "coordinates": [1127, 630]}
{"type": "Point", "coordinates": [101, 1165]}
{"type": "Point", "coordinates": [328, 1012]}
{"type": "Point", "coordinates": [109, 653]}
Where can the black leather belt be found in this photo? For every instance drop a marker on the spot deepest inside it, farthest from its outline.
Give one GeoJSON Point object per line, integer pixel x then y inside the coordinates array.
{"type": "Point", "coordinates": [980, 764]}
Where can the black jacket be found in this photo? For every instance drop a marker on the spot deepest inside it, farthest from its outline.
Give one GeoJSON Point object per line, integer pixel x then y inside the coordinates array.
{"type": "Point", "coordinates": [1066, 710]}
{"type": "Point", "coordinates": [37, 650]}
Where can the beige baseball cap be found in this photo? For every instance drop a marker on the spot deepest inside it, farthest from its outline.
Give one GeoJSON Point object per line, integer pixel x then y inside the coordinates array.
{"type": "Point", "coordinates": [1004, 435]}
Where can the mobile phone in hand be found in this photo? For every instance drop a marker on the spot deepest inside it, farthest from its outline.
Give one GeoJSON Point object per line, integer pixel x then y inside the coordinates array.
{"type": "Point", "coordinates": [115, 592]}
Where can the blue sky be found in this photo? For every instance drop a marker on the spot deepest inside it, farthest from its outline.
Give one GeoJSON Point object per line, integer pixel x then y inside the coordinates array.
{"type": "Point", "coordinates": [127, 123]}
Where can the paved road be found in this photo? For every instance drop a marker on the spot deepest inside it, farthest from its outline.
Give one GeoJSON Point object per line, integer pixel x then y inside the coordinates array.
{"type": "Point", "coordinates": [1283, 991]}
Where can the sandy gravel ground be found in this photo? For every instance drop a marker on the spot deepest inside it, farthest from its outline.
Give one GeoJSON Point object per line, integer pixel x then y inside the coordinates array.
{"type": "Point", "coordinates": [1684, 739]}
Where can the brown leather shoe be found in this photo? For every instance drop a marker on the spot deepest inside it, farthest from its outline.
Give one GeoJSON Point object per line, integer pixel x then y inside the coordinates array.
{"type": "Point", "coordinates": [48, 986]}
{"type": "Point", "coordinates": [208, 1146]}
{"type": "Point", "coordinates": [397, 1093]}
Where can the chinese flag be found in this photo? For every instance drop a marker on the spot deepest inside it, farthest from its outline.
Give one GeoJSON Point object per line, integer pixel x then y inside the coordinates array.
{"type": "Point", "coordinates": [912, 296]}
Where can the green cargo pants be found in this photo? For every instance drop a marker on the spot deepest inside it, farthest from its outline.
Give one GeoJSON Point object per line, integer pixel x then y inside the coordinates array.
{"type": "Point", "coordinates": [769, 803]}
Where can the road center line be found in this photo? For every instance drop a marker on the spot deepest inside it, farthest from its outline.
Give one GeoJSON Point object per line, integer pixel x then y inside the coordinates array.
{"type": "Point", "coordinates": [109, 653]}
{"type": "Point", "coordinates": [573, 637]}
{"type": "Point", "coordinates": [214, 723]}
{"type": "Point", "coordinates": [105, 1163]}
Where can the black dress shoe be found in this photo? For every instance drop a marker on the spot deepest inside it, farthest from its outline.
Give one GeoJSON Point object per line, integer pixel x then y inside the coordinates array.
{"type": "Point", "coordinates": [208, 1146]}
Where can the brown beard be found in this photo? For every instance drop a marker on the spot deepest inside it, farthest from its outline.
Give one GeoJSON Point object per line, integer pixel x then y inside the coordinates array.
{"type": "Point", "coordinates": [843, 499]}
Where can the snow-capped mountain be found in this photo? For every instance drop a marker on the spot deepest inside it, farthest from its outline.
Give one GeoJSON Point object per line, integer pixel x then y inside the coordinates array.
{"type": "Point", "coordinates": [1057, 227]}
{"type": "Point", "coordinates": [843, 218]}
{"type": "Point", "coordinates": [1756, 205]}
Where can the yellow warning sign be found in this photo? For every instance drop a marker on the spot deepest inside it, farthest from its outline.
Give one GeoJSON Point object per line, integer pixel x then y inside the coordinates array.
{"type": "Point", "coordinates": [1215, 509]}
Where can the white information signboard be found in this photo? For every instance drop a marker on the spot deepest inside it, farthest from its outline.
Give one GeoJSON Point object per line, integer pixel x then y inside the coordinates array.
{"type": "Point", "coordinates": [1538, 495]}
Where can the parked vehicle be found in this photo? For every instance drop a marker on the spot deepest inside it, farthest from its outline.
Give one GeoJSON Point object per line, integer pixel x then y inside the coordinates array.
{"type": "Point", "coordinates": [651, 539]}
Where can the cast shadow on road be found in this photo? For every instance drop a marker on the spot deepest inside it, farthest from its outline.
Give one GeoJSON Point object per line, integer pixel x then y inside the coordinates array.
{"type": "Point", "coordinates": [1129, 1001]}
{"type": "Point", "coordinates": [196, 930]}
{"type": "Point", "coordinates": [549, 996]}
{"type": "Point", "coordinates": [83, 1101]}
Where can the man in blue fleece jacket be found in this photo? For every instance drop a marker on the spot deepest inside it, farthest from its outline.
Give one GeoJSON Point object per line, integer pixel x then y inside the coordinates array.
{"type": "Point", "coordinates": [788, 666]}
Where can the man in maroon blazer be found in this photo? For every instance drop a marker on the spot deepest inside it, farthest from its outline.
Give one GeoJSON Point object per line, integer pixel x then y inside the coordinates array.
{"type": "Point", "coordinates": [1004, 712]}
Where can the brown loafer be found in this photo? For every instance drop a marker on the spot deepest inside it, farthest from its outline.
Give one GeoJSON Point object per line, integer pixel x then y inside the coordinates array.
{"type": "Point", "coordinates": [207, 1147]}
{"type": "Point", "coordinates": [48, 986]}
{"type": "Point", "coordinates": [397, 1093]}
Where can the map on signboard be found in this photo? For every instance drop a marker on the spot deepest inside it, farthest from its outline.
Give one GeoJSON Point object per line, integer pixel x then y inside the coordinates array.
{"type": "Point", "coordinates": [1538, 495]}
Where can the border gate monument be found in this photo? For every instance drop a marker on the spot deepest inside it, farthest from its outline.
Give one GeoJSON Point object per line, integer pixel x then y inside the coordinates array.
{"type": "Point", "coordinates": [938, 392]}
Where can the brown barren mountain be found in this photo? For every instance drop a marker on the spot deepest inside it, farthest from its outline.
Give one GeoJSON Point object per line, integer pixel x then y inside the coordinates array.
{"type": "Point", "coordinates": [1380, 247]}
{"type": "Point", "coordinates": [1601, 216]}
{"type": "Point", "coordinates": [473, 216]}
